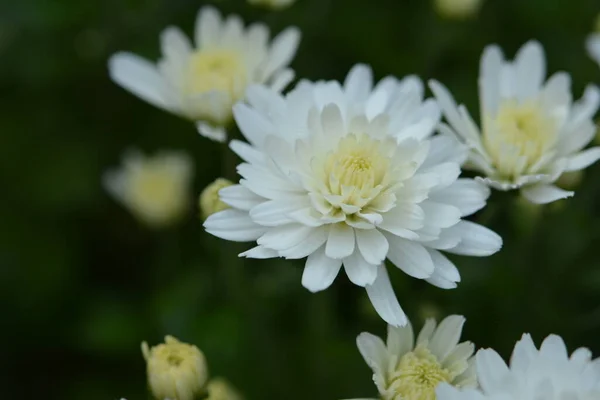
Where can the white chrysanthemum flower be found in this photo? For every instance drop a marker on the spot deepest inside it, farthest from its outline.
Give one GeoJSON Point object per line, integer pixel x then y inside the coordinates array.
{"type": "Point", "coordinates": [274, 4]}
{"type": "Point", "coordinates": [593, 46]}
{"type": "Point", "coordinates": [202, 82]}
{"type": "Point", "coordinates": [403, 370]}
{"type": "Point", "coordinates": [175, 370]}
{"type": "Point", "coordinates": [155, 189]}
{"type": "Point", "coordinates": [531, 132]}
{"type": "Point", "coordinates": [457, 9]}
{"type": "Point", "coordinates": [545, 374]}
{"type": "Point", "coordinates": [343, 175]}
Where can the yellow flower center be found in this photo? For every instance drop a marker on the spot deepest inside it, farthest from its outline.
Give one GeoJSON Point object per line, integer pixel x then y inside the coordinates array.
{"type": "Point", "coordinates": [518, 137]}
{"type": "Point", "coordinates": [416, 377]}
{"type": "Point", "coordinates": [217, 70]}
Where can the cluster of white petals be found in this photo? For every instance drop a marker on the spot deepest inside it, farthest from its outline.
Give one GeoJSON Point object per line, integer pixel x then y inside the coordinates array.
{"type": "Point", "coordinates": [531, 132]}
{"type": "Point", "coordinates": [348, 175]}
{"type": "Point", "coordinates": [201, 82]}
{"type": "Point", "coordinates": [548, 373]}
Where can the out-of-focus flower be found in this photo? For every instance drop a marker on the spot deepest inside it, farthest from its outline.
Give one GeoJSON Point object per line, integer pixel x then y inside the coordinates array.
{"type": "Point", "coordinates": [405, 370]}
{"type": "Point", "coordinates": [548, 373]}
{"type": "Point", "coordinates": [592, 45]}
{"type": "Point", "coordinates": [175, 370]}
{"type": "Point", "coordinates": [220, 389]}
{"type": "Point", "coordinates": [346, 176]}
{"type": "Point", "coordinates": [203, 82]}
{"type": "Point", "coordinates": [155, 189]}
{"type": "Point", "coordinates": [274, 4]}
{"type": "Point", "coordinates": [531, 132]}
{"type": "Point", "coordinates": [209, 201]}
{"type": "Point", "coordinates": [457, 9]}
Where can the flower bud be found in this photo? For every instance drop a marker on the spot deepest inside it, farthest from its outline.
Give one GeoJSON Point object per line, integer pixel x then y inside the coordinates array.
{"type": "Point", "coordinates": [457, 9]}
{"type": "Point", "coordinates": [209, 201]}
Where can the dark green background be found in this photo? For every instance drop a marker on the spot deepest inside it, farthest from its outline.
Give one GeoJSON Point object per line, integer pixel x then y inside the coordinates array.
{"type": "Point", "coordinates": [82, 283]}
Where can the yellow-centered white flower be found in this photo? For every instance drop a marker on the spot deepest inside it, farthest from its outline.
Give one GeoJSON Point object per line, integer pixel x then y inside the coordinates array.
{"type": "Point", "coordinates": [273, 4]}
{"type": "Point", "coordinates": [348, 176]}
{"type": "Point", "coordinates": [545, 374]}
{"type": "Point", "coordinates": [175, 370]}
{"type": "Point", "coordinates": [201, 82]}
{"type": "Point", "coordinates": [531, 131]}
{"type": "Point", "coordinates": [155, 189]}
{"type": "Point", "coordinates": [407, 370]}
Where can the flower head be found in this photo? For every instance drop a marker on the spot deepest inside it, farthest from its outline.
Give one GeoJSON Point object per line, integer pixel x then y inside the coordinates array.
{"type": "Point", "coordinates": [457, 9]}
{"type": "Point", "coordinates": [274, 4]}
{"type": "Point", "coordinates": [531, 131]}
{"type": "Point", "coordinates": [209, 201]}
{"type": "Point", "coordinates": [202, 82]}
{"type": "Point", "coordinates": [155, 189]}
{"type": "Point", "coordinates": [346, 176]}
{"type": "Point", "coordinates": [405, 370]}
{"type": "Point", "coordinates": [548, 373]}
{"type": "Point", "coordinates": [175, 370]}
{"type": "Point", "coordinates": [220, 389]}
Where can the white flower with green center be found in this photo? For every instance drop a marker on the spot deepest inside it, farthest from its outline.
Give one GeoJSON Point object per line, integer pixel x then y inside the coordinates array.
{"type": "Point", "coordinates": [405, 370]}
{"type": "Point", "coordinates": [202, 83]}
{"type": "Point", "coordinates": [531, 131]}
{"type": "Point", "coordinates": [593, 46]}
{"type": "Point", "coordinates": [155, 189]}
{"type": "Point", "coordinates": [347, 176]}
{"type": "Point", "coordinates": [545, 374]}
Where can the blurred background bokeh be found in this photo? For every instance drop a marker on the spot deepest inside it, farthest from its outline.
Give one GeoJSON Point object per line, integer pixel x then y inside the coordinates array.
{"type": "Point", "coordinates": [82, 282]}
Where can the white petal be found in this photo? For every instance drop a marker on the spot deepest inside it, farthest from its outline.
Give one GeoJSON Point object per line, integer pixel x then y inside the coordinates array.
{"type": "Point", "coordinates": [373, 351]}
{"type": "Point", "coordinates": [592, 45]}
{"type": "Point", "coordinates": [285, 236]}
{"type": "Point", "coordinates": [476, 240]}
{"type": "Point", "coordinates": [384, 300]}
{"type": "Point", "coordinates": [308, 246]}
{"type": "Point", "coordinates": [359, 271]}
{"type": "Point", "coordinates": [233, 225]}
{"type": "Point", "coordinates": [439, 214]}
{"type": "Point", "coordinates": [216, 133]}
{"type": "Point", "coordinates": [489, 79]}
{"type": "Point", "coordinates": [523, 354]}
{"type": "Point", "coordinates": [410, 257]}
{"type": "Point", "coordinates": [239, 197]}
{"type": "Point", "coordinates": [320, 271]}
{"type": "Point", "coordinates": [467, 195]}
{"type": "Point", "coordinates": [281, 79]}
{"type": "Point", "coordinates": [259, 252]}
{"type": "Point", "coordinates": [530, 71]}
{"type": "Point", "coordinates": [426, 331]}
{"type": "Point", "coordinates": [443, 266]}
{"type": "Point", "coordinates": [332, 122]}
{"type": "Point", "coordinates": [359, 82]}
{"type": "Point", "coordinates": [446, 336]}
{"type": "Point", "coordinates": [583, 159]}
{"type": "Point", "coordinates": [275, 212]}
{"type": "Point", "coordinates": [283, 50]}
{"type": "Point", "coordinates": [175, 46]}
{"type": "Point", "coordinates": [141, 78]}
{"type": "Point", "coordinates": [372, 245]}
{"type": "Point", "coordinates": [340, 242]}
{"type": "Point", "coordinates": [544, 194]}
{"type": "Point", "coordinates": [208, 27]}
{"type": "Point", "coordinates": [246, 152]}
{"type": "Point", "coordinates": [400, 340]}
{"type": "Point", "coordinates": [553, 348]}
{"type": "Point", "coordinates": [491, 370]}
{"type": "Point", "coordinates": [253, 125]}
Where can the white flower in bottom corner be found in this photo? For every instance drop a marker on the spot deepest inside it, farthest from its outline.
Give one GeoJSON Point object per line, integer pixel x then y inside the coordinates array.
{"type": "Point", "coordinates": [201, 82]}
{"type": "Point", "coordinates": [346, 176]}
{"type": "Point", "coordinates": [592, 45]}
{"type": "Point", "coordinates": [407, 370]}
{"type": "Point", "coordinates": [155, 189]}
{"type": "Point", "coordinates": [545, 374]}
{"type": "Point", "coordinates": [531, 132]}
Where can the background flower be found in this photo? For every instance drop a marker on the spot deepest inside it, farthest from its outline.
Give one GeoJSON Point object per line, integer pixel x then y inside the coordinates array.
{"type": "Point", "coordinates": [203, 82]}
{"type": "Point", "coordinates": [274, 4]}
{"type": "Point", "coordinates": [457, 9]}
{"type": "Point", "coordinates": [346, 177]}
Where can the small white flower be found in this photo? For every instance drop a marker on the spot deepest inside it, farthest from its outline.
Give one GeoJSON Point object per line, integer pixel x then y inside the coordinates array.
{"type": "Point", "coordinates": [344, 175]}
{"type": "Point", "coordinates": [155, 189]}
{"type": "Point", "coordinates": [274, 4]}
{"type": "Point", "coordinates": [592, 45]}
{"type": "Point", "coordinates": [531, 132]}
{"type": "Point", "coordinates": [545, 374]}
{"type": "Point", "coordinates": [403, 370]}
{"type": "Point", "coordinates": [457, 9]}
{"type": "Point", "coordinates": [202, 83]}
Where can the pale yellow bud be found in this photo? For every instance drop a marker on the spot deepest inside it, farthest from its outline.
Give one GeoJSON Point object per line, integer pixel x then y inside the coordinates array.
{"type": "Point", "coordinates": [155, 189]}
{"type": "Point", "coordinates": [457, 9]}
{"type": "Point", "coordinates": [176, 370]}
{"type": "Point", "coordinates": [209, 201]}
{"type": "Point", "coordinates": [220, 389]}
{"type": "Point", "coordinates": [273, 4]}
{"type": "Point", "coordinates": [570, 180]}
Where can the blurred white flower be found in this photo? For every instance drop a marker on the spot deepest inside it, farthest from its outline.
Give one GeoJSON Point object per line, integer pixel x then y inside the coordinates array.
{"type": "Point", "coordinates": [457, 9]}
{"type": "Point", "coordinates": [405, 370]}
{"type": "Point", "coordinates": [344, 175]}
{"type": "Point", "coordinates": [175, 370]}
{"type": "Point", "coordinates": [220, 389]}
{"type": "Point", "coordinates": [203, 82]}
{"type": "Point", "coordinates": [155, 189]}
{"type": "Point", "coordinates": [548, 373]}
{"type": "Point", "coordinates": [592, 45]}
{"type": "Point", "coordinates": [209, 200]}
{"type": "Point", "coordinates": [274, 4]}
{"type": "Point", "coordinates": [531, 132]}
